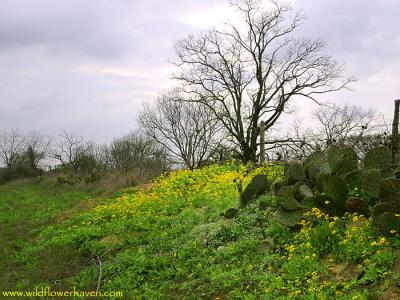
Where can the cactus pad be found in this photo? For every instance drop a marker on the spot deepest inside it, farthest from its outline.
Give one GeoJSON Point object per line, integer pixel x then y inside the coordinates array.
{"type": "Point", "coordinates": [305, 191]}
{"type": "Point", "coordinates": [288, 218]}
{"type": "Point", "coordinates": [342, 160]}
{"type": "Point", "coordinates": [313, 164]}
{"type": "Point", "coordinates": [335, 187]}
{"type": "Point", "coordinates": [389, 192]}
{"type": "Point", "coordinates": [230, 213]}
{"type": "Point", "coordinates": [295, 173]}
{"type": "Point", "coordinates": [372, 182]}
{"type": "Point", "coordinates": [358, 205]}
{"type": "Point", "coordinates": [381, 208]}
{"type": "Point", "coordinates": [378, 158]}
{"type": "Point", "coordinates": [257, 186]}
{"type": "Point", "coordinates": [388, 223]}
{"type": "Point", "coordinates": [286, 198]}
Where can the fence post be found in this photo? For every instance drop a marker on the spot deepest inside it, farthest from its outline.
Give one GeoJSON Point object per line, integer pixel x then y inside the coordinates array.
{"type": "Point", "coordinates": [395, 132]}
{"type": "Point", "coordinates": [189, 156]}
{"type": "Point", "coordinates": [262, 142]}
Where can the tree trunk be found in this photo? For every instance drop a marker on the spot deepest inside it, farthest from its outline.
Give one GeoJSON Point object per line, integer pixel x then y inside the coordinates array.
{"type": "Point", "coordinates": [249, 154]}
{"type": "Point", "coordinates": [395, 133]}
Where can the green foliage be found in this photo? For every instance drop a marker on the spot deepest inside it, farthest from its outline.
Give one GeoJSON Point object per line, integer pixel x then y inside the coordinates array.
{"type": "Point", "coordinates": [172, 242]}
{"type": "Point", "coordinates": [26, 209]}
{"type": "Point", "coordinates": [377, 267]}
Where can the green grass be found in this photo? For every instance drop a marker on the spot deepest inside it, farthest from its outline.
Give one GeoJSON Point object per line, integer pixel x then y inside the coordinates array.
{"type": "Point", "coordinates": [171, 242]}
{"type": "Point", "coordinates": [26, 208]}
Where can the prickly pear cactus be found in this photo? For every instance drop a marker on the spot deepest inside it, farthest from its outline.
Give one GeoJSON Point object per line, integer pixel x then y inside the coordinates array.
{"type": "Point", "coordinates": [277, 186]}
{"type": "Point", "coordinates": [381, 208]}
{"type": "Point", "coordinates": [389, 192]}
{"type": "Point", "coordinates": [335, 187]}
{"type": "Point", "coordinates": [378, 158]}
{"type": "Point", "coordinates": [358, 205]}
{"type": "Point", "coordinates": [388, 223]}
{"type": "Point", "coordinates": [230, 213]}
{"type": "Point", "coordinates": [397, 172]}
{"type": "Point", "coordinates": [372, 182]}
{"type": "Point", "coordinates": [288, 218]}
{"type": "Point", "coordinates": [289, 212]}
{"type": "Point", "coordinates": [387, 212]}
{"type": "Point", "coordinates": [295, 173]}
{"type": "Point", "coordinates": [257, 186]}
{"type": "Point", "coordinates": [312, 165]}
{"type": "Point", "coordinates": [354, 179]}
{"type": "Point", "coordinates": [325, 179]}
{"type": "Point", "coordinates": [317, 201]}
{"type": "Point", "coordinates": [286, 198]}
{"type": "Point", "coordinates": [342, 160]}
{"type": "Point", "coordinates": [305, 191]}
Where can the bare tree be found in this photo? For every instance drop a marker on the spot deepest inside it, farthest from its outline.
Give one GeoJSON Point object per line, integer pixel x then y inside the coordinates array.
{"type": "Point", "coordinates": [345, 125]}
{"type": "Point", "coordinates": [296, 144]}
{"type": "Point", "coordinates": [134, 151]}
{"type": "Point", "coordinates": [37, 148]}
{"type": "Point", "coordinates": [70, 149]}
{"type": "Point", "coordinates": [188, 130]}
{"type": "Point", "coordinates": [102, 155]}
{"type": "Point", "coordinates": [12, 145]}
{"type": "Point", "coordinates": [245, 74]}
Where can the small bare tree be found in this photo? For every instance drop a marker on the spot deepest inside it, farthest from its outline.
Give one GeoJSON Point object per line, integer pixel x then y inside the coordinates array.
{"type": "Point", "coordinates": [345, 125]}
{"type": "Point", "coordinates": [12, 145]}
{"type": "Point", "coordinates": [37, 149]}
{"type": "Point", "coordinates": [70, 149]}
{"type": "Point", "coordinates": [246, 74]}
{"type": "Point", "coordinates": [132, 151]}
{"type": "Point", "coordinates": [187, 130]}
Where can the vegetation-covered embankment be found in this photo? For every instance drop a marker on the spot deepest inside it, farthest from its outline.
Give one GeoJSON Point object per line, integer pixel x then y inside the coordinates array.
{"type": "Point", "coordinates": [170, 241]}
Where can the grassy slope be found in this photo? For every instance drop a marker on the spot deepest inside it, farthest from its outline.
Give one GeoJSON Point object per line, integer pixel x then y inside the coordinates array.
{"type": "Point", "coordinates": [25, 209]}
{"type": "Point", "coordinates": [171, 242]}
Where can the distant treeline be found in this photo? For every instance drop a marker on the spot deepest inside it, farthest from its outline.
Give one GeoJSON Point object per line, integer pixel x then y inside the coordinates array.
{"type": "Point", "coordinates": [73, 159]}
{"type": "Point", "coordinates": [175, 134]}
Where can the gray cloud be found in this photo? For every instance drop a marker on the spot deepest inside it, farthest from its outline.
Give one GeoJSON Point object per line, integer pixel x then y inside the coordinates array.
{"type": "Point", "coordinates": [363, 35]}
{"type": "Point", "coordinates": [87, 65]}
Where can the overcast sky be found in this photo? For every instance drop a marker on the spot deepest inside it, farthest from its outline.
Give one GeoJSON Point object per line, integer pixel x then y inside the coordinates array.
{"type": "Point", "coordinates": [87, 65]}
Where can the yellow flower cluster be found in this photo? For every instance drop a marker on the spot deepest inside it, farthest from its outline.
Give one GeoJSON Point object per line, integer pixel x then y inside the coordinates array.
{"type": "Point", "coordinates": [212, 185]}
{"type": "Point", "coordinates": [315, 212]}
{"type": "Point", "coordinates": [380, 242]}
